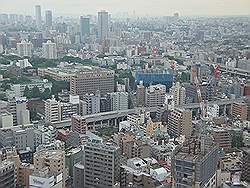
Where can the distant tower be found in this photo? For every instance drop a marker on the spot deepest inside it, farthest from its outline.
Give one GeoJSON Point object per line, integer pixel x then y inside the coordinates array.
{"type": "Point", "coordinates": [103, 22]}
{"type": "Point", "coordinates": [48, 18]}
{"type": "Point", "coordinates": [84, 27]}
{"type": "Point", "coordinates": [38, 16]}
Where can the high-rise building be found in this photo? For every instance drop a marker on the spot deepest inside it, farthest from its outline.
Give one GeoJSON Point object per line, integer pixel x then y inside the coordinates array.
{"type": "Point", "coordinates": [7, 174]}
{"type": "Point", "coordinates": [79, 124]}
{"type": "Point", "coordinates": [179, 93]}
{"type": "Point", "coordinates": [180, 122]}
{"type": "Point", "coordinates": [48, 18]}
{"type": "Point", "coordinates": [245, 175]}
{"type": "Point", "coordinates": [90, 104]}
{"type": "Point", "coordinates": [18, 108]}
{"type": "Point", "coordinates": [195, 164]}
{"type": "Point", "coordinates": [24, 48]}
{"type": "Point", "coordinates": [90, 80]}
{"type": "Point", "coordinates": [118, 101]}
{"type": "Point", "coordinates": [49, 50]}
{"type": "Point", "coordinates": [140, 95]}
{"type": "Point", "coordinates": [84, 27]}
{"type": "Point", "coordinates": [239, 110]}
{"type": "Point", "coordinates": [101, 164]}
{"type": "Point", "coordinates": [78, 173]}
{"type": "Point", "coordinates": [155, 95]}
{"type": "Point", "coordinates": [222, 137]}
{"type": "Point", "coordinates": [103, 25]}
{"type": "Point", "coordinates": [38, 16]}
{"type": "Point", "coordinates": [56, 111]}
{"type": "Point", "coordinates": [51, 110]}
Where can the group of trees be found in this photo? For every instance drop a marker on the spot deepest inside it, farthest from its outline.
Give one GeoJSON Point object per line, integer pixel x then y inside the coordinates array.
{"type": "Point", "coordinates": [43, 63]}
{"type": "Point", "coordinates": [35, 93]}
{"type": "Point", "coordinates": [72, 59]}
{"type": "Point", "coordinates": [122, 74]}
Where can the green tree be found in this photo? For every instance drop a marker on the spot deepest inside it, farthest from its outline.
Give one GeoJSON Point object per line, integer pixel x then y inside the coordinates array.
{"type": "Point", "coordinates": [46, 94]}
{"type": "Point", "coordinates": [59, 86]}
{"type": "Point", "coordinates": [185, 76]}
{"type": "Point", "coordinates": [35, 92]}
{"type": "Point", "coordinates": [27, 93]}
{"type": "Point", "coordinates": [237, 141]}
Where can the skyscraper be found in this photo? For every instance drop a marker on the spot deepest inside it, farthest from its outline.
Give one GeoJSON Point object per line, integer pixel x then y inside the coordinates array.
{"type": "Point", "coordinates": [103, 25]}
{"type": "Point", "coordinates": [84, 27]}
{"type": "Point", "coordinates": [48, 18]}
{"type": "Point", "coordinates": [101, 164]}
{"type": "Point", "coordinates": [195, 163]}
{"type": "Point", "coordinates": [24, 48]}
{"type": "Point", "coordinates": [38, 16]}
{"type": "Point", "coordinates": [49, 50]}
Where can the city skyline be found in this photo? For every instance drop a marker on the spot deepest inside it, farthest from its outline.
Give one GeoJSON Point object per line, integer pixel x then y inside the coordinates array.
{"type": "Point", "coordinates": [137, 7]}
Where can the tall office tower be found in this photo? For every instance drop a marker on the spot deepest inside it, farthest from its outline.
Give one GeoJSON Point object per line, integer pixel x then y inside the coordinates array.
{"type": "Point", "coordinates": [101, 164]}
{"type": "Point", "coordinates": [7, 174]}
{"type": "Point", "coordinates": [239, 110]}
{"type": "Point", "coordinates": [91, 80]}
{"type": "Point", "coordinates": [84, 27]}
{"type": "Point", "coordinates": [90, 104]}
{"type": "Point", "coordinates": [245, 175]}
{"type": "Point", "coordinates": [48, 18]}
{"type": "Point", "coordinates": [103, 25]}
{"type": "Point", "coordinates": [155, 95]}
{"type": "Point", "coordinates": [195, 164]}
{"type": "Point", "coordinates": [179, 93]}
{"type": "Point", "coordinates": [180, 122]}
{"type": "Point", "coordinates": [49, 50]}
{"type": "Point", "coordinates": [38, 16]}
{"type": "Point", "coordinates": [52, 161]}
{"type": "Point", "coordinates": [140, 95]}
{"type": "Point", "coordinates": [118, 100]}
{"type": "Point", "coordinates": [24, 48]}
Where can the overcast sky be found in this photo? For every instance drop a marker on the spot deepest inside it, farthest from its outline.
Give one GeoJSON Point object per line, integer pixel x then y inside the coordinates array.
{"type": "Point", "coordinates": [141, 7]}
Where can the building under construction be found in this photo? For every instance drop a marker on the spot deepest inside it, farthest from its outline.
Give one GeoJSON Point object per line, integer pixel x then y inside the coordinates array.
{"type": "Point", "coordinates": [194, 164]}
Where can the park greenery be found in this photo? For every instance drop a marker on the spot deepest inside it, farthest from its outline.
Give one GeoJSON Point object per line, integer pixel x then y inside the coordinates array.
{"type": "Point", "coordinates": [122, 74]}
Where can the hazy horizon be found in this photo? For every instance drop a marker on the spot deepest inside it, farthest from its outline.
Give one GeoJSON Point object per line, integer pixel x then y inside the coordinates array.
{"type": "Point", "coordinates": [139, 7]}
